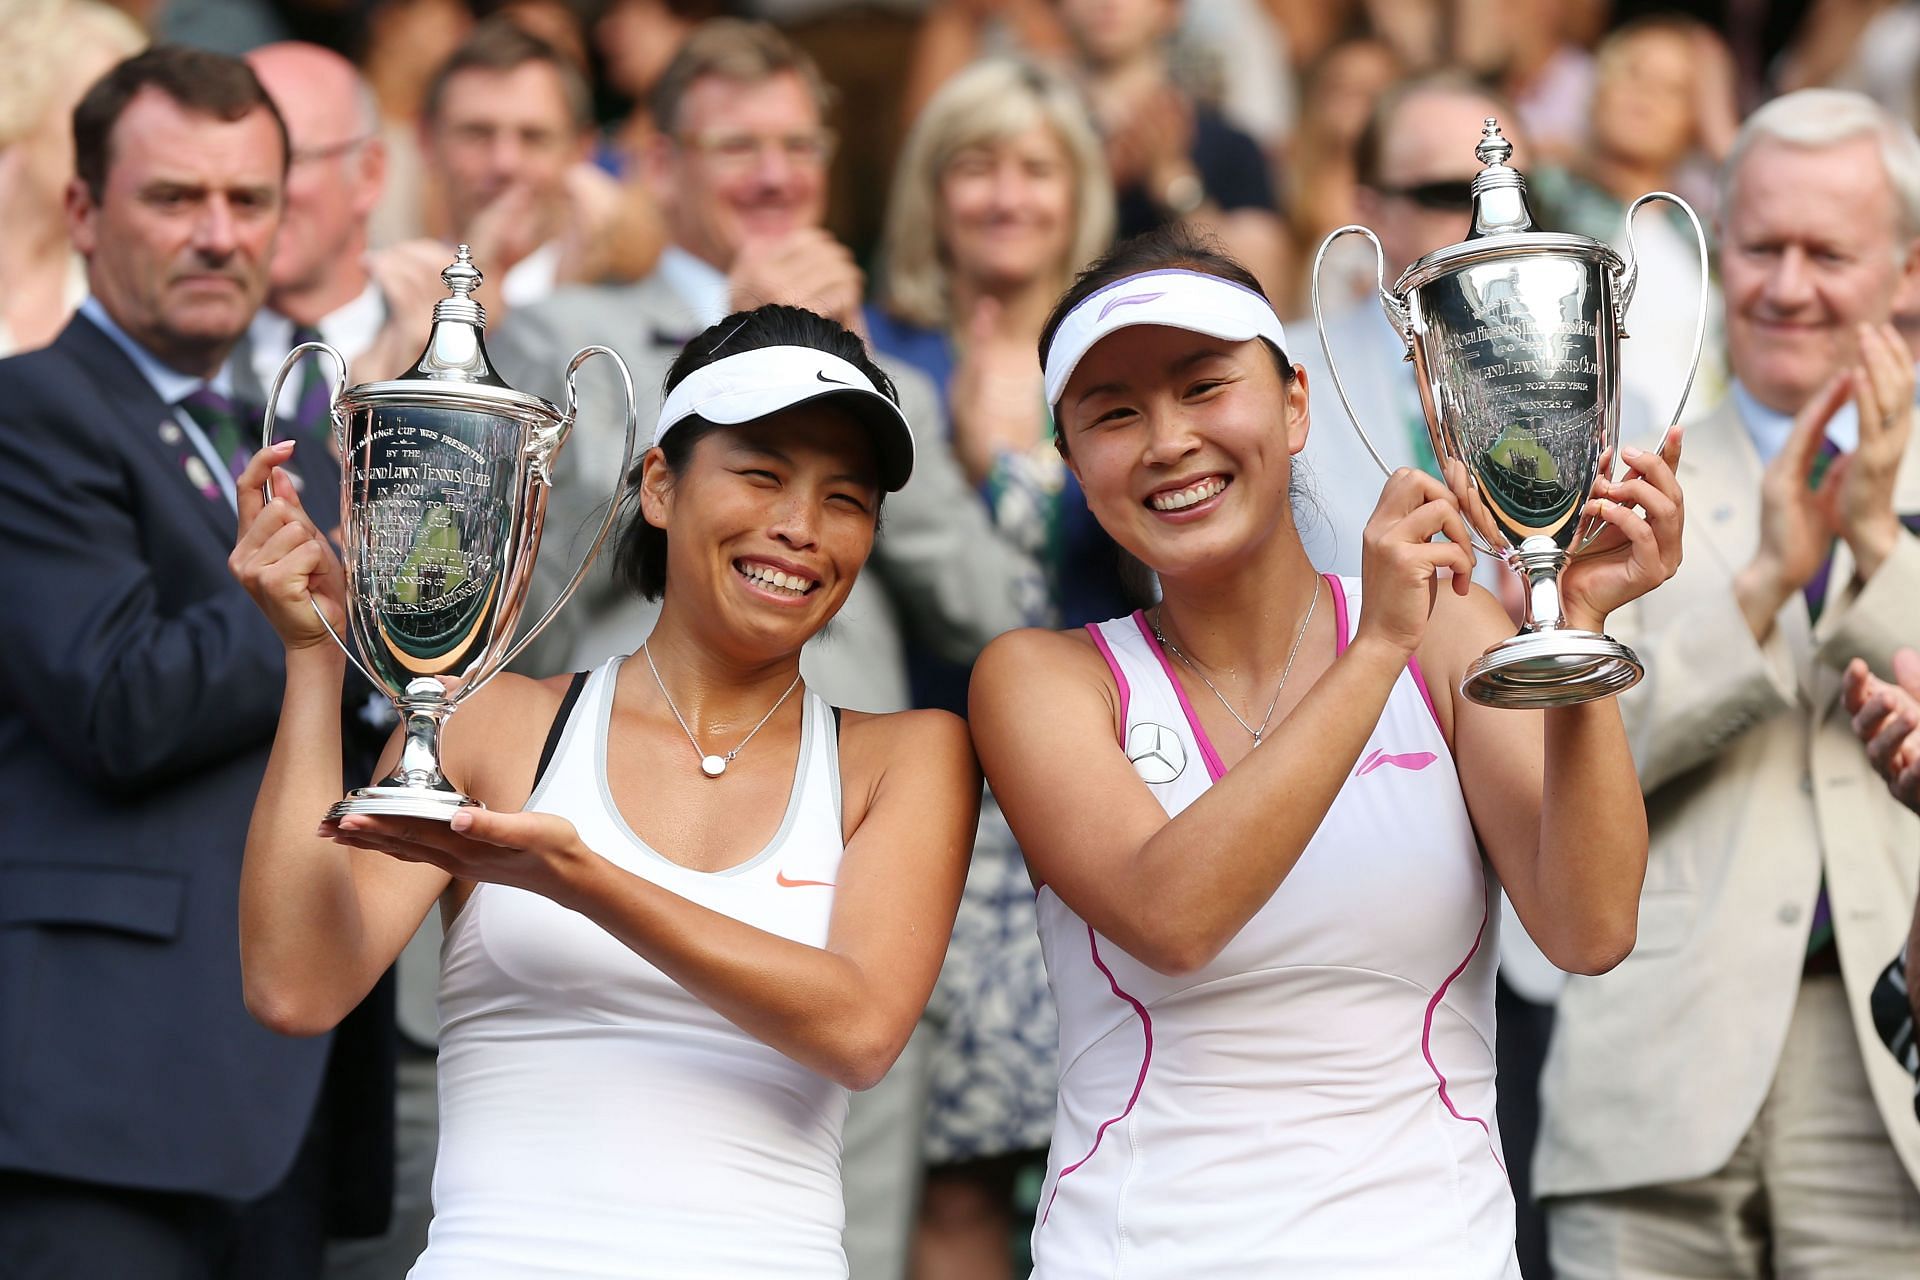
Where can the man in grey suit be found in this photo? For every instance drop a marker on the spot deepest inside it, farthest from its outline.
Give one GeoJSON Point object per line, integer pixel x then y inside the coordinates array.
{"type": "Point", "coordinates": [740, 166]}
{"type": "Point", "coordinates": [1719, 1105]}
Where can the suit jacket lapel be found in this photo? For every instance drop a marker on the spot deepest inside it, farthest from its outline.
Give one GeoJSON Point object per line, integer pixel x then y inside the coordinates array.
{"type": "Point", "coordinates": [145, 418]}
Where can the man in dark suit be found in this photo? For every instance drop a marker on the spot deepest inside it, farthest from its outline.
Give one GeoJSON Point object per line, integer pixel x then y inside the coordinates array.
{"type": "Point", "coordinates": [148, 1127]}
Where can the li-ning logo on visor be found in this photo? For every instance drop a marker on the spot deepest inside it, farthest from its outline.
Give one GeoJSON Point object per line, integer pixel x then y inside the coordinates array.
{"type": "Point", "coordinates": [1132, 299]}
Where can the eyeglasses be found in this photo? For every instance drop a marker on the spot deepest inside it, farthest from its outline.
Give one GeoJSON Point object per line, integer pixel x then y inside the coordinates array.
{"type": "Point", "coordinates": [742, 150]}
{"type": "Point", "coordinates": [307, 155]}
{"type": "Point", "coordinates": [1441, 197]}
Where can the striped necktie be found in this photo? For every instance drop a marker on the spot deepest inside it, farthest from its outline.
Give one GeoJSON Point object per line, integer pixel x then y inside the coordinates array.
{"type": "Point", "coordinates": [310, 405]}
{"type": "Point", "coordinates": [231, 431]}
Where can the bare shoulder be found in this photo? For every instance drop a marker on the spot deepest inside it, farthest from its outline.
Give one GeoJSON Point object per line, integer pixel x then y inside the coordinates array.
{"type": "Point", "coordinates": [918, 739]}
{"type": "Point", "coordinates": [493, 742]}
{"type": "Point", "coordinates": [1032, 653]}
{"type": "Point", "coordinates": [508, 698]}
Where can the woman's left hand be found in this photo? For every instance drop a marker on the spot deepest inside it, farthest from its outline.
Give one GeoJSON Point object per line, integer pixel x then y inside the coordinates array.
{"type": "Point", "coordinates": [1640, 549]}
{"type": "Point", "coordinates": [538, 852]}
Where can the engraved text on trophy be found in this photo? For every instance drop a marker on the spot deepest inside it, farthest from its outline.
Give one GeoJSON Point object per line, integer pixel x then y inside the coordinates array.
{"type": "Point", "coordinates": [434, 502]}
{"type": "Point", "coordinates": [1514, 364]}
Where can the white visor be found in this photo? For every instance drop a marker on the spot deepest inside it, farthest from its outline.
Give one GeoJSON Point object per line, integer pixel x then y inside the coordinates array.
{"type": "Point", "coordinates": [753, 384]}
{"type": "Point", "coordinates": [1179, 299]}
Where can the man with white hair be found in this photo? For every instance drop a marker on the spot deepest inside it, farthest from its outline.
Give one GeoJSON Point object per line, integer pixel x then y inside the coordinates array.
{"type": "Point", "coordinates": [1719, 1105]}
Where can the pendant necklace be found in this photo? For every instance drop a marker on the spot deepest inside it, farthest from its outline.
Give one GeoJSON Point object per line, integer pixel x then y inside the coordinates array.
{"type": "Point", "coordinates": [1260, 732]}
{"type": "Point", "coordinates": [714, 766]}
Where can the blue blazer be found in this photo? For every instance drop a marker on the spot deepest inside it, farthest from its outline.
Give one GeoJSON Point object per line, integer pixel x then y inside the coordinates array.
{"type": "Point", "coordinates": [139, 689]}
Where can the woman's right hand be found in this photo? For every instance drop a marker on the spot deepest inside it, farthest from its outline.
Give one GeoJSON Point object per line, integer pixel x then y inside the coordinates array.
{"type": "Point", "coordinates": [1401, 564]}
{"type": "Point", "coordinates": [282, 559]}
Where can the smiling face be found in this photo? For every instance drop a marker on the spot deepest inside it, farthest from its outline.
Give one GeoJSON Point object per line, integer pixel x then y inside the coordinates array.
{"type": "Point", "coordinates": [1183, 445]}
{"type": "Point", "coordinates": [1811, 249]}
{"type": "Point", "coordinates": [747, 160]}
{"type": "Point", "coordinates": [768, 523]}
{"type": "Point", "coordinates": [500, 129]}
{"type": "Point", "coordinates": [178, 244]}
{"type": "Point", "coordinates": [1006, 209]}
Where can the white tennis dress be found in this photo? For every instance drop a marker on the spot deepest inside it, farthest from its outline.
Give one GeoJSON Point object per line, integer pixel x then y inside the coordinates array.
{"type": "Point", "coordinates": [1317, 1101]}
{"type": "Point", "coordinates": [596, 1120]}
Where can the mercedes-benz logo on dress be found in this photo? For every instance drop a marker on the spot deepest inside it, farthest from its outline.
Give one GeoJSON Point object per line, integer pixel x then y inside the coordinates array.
{"type": "Point", "coordinates": [1156, 751]}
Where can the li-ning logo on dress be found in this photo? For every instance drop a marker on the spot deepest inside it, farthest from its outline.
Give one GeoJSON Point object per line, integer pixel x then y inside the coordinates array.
{"type": "Point", "coordinates": [1413, 761]}
{"type": "Point", "coordinates": [1157, 753]}
{"type": "Point", "coordinates": [1131, 300]}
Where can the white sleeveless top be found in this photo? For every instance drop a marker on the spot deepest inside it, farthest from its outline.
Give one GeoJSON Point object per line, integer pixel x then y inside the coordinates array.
{"type": "Point", "coordinates": [596, 1120]}
{"type": "Point", "coordinates": [1319, 1100]}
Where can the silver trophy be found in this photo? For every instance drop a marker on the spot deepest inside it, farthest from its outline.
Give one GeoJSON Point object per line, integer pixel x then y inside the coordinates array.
{"type": "Point", "coordinates": [444, 478]}
{"type": "Point", "coordinates": [1515, 334]}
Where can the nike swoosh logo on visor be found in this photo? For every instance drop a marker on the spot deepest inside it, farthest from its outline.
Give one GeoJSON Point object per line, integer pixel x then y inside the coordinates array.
{"type": "Point", "coordinates": [1413, 761]}
{"type": "Point", "coordinates": [835, 381]}
{"type": "Point", "coordinates": [780, 878]}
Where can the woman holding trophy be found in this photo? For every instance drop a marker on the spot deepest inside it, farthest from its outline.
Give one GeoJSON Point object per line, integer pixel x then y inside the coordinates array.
{"type": "Point", "coordinates": [680, 930]}
{"type": "Point", "coordinates": [1266, 875]}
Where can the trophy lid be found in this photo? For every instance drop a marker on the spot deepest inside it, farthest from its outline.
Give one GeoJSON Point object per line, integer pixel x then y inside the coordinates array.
{"type": "Point", "coordinates": [455, 352]}
{"type": "Point", "coordinates": [1502, 222]}
{"type": "Point", "coordinates": [454, 369]}
{"type": "Point", "coordinates": [1499, 190]}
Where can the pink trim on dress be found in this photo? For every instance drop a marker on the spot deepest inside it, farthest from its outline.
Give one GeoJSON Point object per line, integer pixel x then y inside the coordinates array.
{"type": "Point", "coordinates": [1119, 677]}
{"type": "Point", "coordinates": [1146, 1060]}
{"type": "Point", "coordinates": [1426, 1041]}
{"type": "Point", "coordinates": [1215, 769]}
{"type": "Point", "coordinates": [1420, 681]}
{"type": "Point", "coordinates": [1339, 613]}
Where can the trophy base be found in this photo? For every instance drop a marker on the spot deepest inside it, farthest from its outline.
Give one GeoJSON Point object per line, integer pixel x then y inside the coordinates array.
{"type": "Point", "coordinates": [1558, 668]}
{"type": "Point", "coordinates": [402, 802]}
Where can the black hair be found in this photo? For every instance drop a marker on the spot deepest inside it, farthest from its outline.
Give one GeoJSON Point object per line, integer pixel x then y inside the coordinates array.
{"type": "Point", "coordinates": [1172, 247]}
{"type": "Point", "coordinates": [640, 554]}
{"type": "Point", "coordinates": [203, 82]}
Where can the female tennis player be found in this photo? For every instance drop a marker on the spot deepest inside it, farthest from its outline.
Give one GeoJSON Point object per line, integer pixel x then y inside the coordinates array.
{"type": "Point", "coordinates": [700, 904]}
{"type": "Point", "coordinates": [1268, 830]}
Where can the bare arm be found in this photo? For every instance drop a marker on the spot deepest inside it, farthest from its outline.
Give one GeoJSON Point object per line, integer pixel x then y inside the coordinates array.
{"type": "Point", "coordinates": [1556, 803]}
{"type": "Point", "coordinates": [844, 1010]}
{"type": "Point", "coordinates": [318, 924]}
{"type": "Point", "coordinates": [1554, 795]}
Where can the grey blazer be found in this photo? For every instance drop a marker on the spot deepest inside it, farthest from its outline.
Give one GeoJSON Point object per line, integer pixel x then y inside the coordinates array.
{"type": "Point", "coordinates": [940, 572]}
{"type": "Point", "coordinates": [1755, 786]}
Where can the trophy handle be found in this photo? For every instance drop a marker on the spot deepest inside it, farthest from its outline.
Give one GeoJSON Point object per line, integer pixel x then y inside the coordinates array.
{"type": "Point", "coordinates": [559, 437]}
{"type": "Point", "coordinates": [1396, 315]}
{"type": "Point", "coordinates": [339, 436]}
{"type": "Point", "coordinates": [1629, 280]}
{"type": "Point", "coordinates": [1396, 311]}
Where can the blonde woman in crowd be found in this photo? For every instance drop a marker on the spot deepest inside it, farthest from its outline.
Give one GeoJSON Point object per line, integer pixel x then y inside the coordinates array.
{"type": "Point", "coordinates": [1001, 194]}
{"type": "Point", "coordinates": [54, 51]}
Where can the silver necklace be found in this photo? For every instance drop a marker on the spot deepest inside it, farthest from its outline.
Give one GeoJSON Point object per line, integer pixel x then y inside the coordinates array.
{"type": "Point", "coordinates": [1257, 734]}
{"type": "Point", "coordinates": [714, 766]}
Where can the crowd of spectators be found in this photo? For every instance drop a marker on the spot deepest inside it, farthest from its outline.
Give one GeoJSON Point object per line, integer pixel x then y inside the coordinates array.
{"type": "Point", "coordinates": [932, 174]}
